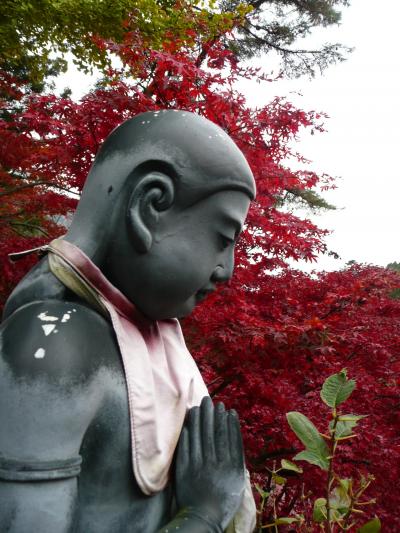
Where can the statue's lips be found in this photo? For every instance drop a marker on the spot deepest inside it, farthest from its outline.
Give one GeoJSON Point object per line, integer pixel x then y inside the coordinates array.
{"type": "Point", "coordinates": [203, 293]}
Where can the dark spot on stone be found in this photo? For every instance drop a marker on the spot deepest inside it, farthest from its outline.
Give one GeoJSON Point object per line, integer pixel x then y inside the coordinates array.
{"type": "Point", "coordinates": [110, 188]}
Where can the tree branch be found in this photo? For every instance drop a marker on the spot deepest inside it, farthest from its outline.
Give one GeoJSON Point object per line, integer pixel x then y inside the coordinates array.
{"type": "Point", "coordinates": [264, 41]}
{"type": "Point", "coordinates": [31, 226]}
{"type": "Point", "coordinates": [31, 185]}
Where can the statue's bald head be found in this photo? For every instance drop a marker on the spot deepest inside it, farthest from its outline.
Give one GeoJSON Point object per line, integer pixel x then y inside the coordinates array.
{"type": "Point", "coordinates": [202, 156]}
{"type": "Point", "coordinates": [196, 155]}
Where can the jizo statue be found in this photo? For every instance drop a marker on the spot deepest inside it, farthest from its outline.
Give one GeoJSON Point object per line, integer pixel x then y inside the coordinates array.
{"type": "Point", "coordinates": [105, 422]}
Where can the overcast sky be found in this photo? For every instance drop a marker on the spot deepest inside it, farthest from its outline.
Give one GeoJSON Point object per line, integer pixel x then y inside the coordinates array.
{"type": "Point", "coordinates": [361, 97]}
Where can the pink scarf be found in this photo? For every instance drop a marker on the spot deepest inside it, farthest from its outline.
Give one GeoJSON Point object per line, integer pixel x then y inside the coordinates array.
{"type": "Point", "coordinates": [162, 379]}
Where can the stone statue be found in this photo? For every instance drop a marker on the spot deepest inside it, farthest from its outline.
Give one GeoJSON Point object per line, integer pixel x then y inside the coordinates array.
{"type": "Point", "coordinates": [105, 421]}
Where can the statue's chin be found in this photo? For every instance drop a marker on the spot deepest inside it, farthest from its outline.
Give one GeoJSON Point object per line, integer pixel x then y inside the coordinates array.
{"type": "Point", "coordinates": [160, 313]}
{"type": "Point", "coordinates": [175, 310]}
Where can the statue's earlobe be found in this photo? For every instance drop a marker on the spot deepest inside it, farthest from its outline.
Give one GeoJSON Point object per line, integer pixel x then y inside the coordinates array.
{"type": "Point", "coordinates": [153, 193]}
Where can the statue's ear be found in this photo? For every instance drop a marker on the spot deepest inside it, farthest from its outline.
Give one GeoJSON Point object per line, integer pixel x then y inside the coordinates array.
{"type": "Point", "coordinates": [153, 193]}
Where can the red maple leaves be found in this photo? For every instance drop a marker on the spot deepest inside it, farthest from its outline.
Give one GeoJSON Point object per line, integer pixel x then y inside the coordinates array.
{"type": "Point", "coordinates": [267, 347]}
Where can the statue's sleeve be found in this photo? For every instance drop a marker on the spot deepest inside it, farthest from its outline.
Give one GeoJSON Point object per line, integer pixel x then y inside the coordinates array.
{"type": "Point", "coordinates": [25, 470]}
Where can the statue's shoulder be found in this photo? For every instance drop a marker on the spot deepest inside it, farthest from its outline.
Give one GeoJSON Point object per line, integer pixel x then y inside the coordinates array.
{"type": "Point", "coordinates": [56, 340]}
{"type": "Point", "coordinates": [53, 381]}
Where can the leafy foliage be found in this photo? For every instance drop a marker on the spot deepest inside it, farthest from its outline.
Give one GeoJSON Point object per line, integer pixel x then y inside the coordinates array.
{"type": "Point", "coordinates": [337, 388]}
{"type": "Point", "coordinates": [373, 526]}
{"type": "Point", "coordinates": [277, 26]}
{"type": "Point", "coordinates": [32, 31]}
{"type": "Point", "coordinates": [316, 451]}
{"type": "Point", "coordinates": [344, 497]}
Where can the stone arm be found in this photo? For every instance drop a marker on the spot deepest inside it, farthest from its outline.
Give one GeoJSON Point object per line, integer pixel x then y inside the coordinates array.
{"type": "Point", "coordinates": [49, 394]}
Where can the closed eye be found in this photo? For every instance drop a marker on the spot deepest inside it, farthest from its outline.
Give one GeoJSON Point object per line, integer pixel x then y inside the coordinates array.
{"type": "Point", "coordinates": [225, 241]}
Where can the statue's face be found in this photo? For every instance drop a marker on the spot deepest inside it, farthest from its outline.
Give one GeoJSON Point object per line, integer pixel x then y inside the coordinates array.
{"type": "Point", "coordinates": [192, 251]}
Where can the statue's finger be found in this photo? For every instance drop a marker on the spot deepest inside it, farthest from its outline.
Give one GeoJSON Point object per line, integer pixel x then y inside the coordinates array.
{"type": "Point", "coordinates": [235, 439]}
{"type": "Point", "coordinates": [207, 428]}
{"type": "Point", "coordinates": [221, 431]}
{"type": "Point", "coordinates": [182, 456]}
{"type": "Point", "coordinates": [194, 436]}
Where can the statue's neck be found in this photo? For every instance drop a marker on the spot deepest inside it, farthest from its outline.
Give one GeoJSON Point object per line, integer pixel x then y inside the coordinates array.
{"type": "Point", "coordinates": [93, 246]}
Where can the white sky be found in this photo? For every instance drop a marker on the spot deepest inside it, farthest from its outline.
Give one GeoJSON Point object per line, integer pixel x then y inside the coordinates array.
{"type": "Point", "coordinates": [361, 97]}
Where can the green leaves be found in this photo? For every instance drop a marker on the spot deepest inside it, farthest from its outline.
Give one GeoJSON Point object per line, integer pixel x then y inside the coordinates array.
{"type": "Point", "coordinates": [339, 503]}
{"type": "Point", "coordinates": [373, 526]}
{"type": "Point", "coordinates": [312, 458]}
{"type": "Point", "coordinates": [281, 521]}
{"type": "Point", "coordinates": [337, 388]}
{"type": "Point", "coordinates": [285, 520]}
{"type": "Point", "coordinates": [343, 496]}
{"type": "Point", "coordinates": [345, 425]}
{"type": "Point", "coordinates": [316, 452]}
{"type": "Point", "coordinates": [340, 499]}
{"type": "Point", "coordinates": [278, 480]}
{"type": "Point", "coordinates": [288, 465]}
{"type": "Point", "coordinates": [319, 511]}
{"type": "Point", "coordinates": [31, 31]}
{"type": "Point", "coordinates": [263, 493]}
